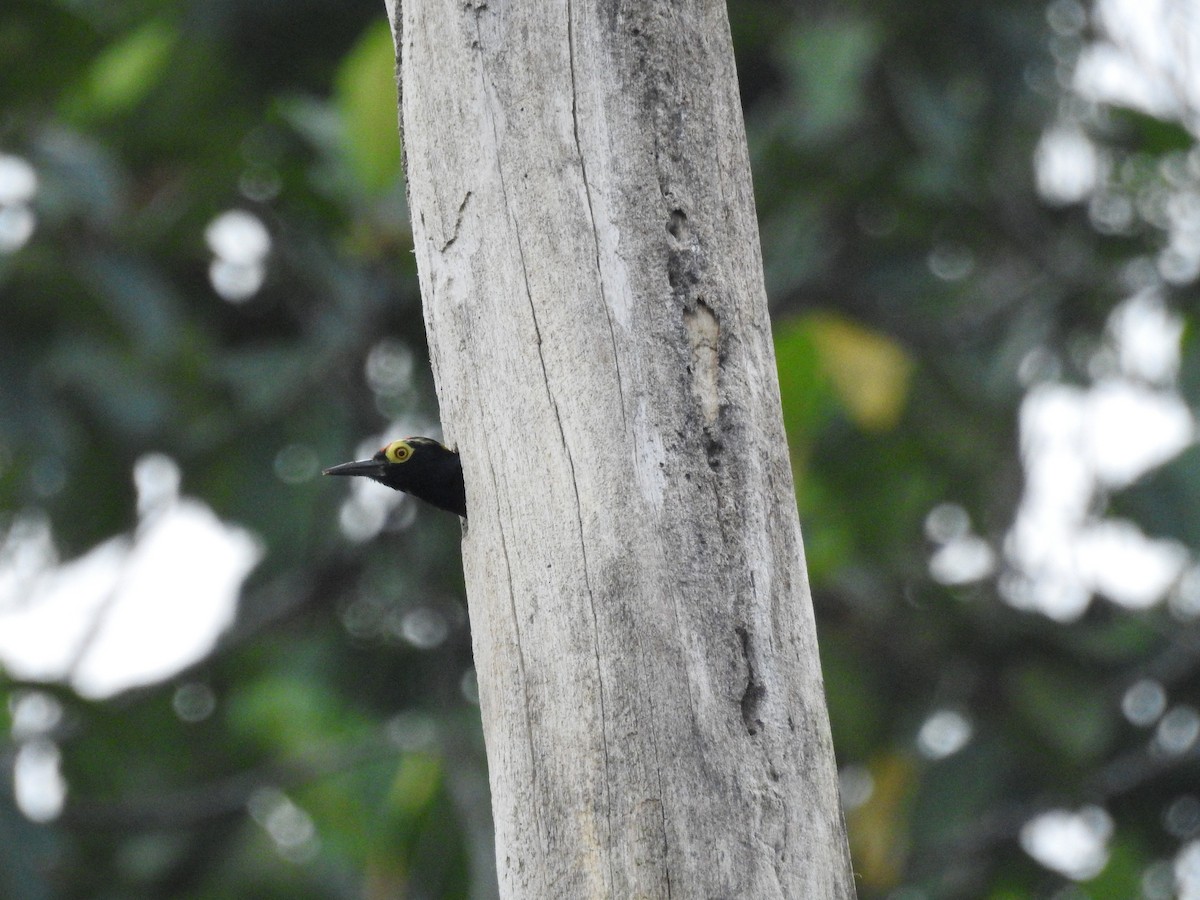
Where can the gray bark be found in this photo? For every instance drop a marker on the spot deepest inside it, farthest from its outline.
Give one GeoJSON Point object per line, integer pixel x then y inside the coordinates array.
{"type": "Point", "coordinates": [589, 259]}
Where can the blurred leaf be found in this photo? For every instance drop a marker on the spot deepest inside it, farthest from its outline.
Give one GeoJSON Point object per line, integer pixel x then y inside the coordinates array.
{"type": "Point", "coordinates": [416, 783]}
{"type": "Point", "coordinates": [822, 354]}
{"type": "Point", "coordinates": [1067, 710]}
{"type": "Point", "coordinates": [795, 243]}
{"type": "Point", "coordinates": [124, 73]}
{"type": "Point", "coordinates": [115, 386]}
{"type": "Point", "coordinates": [830, 60]}
{"type": "Point", "coordinates": [879, 840]}
{"type": "Point", "coordinates": [366, 97]}
{"type": "Point", "coordinates": [941, 125]}
{"type": "Point", "coordinates": [287, 710]}
{"type": "Point", "coordinates": [1150, 134]}
{"type": "Point", "coordinates": [1122, 876]}
{"type": "Point", "coordinates": [1115, 641]}
{"type": "Point", "coordinates": [262, 378]}
{"type": "Point", "coordinates": [1166, 499]}
{"type": "Point", "coordinates": [957, 791]}
{"type": "Point", "coordinates": [417, 841]}
{"type": "Point", "coordinates": [81, 179]}
{"type": "Point", "coordinates": [869, 371]}
{"type": "Point", "coordinates": [829, 531]}
{"type": "Point", "coordinates": [879, 132]}
{"type": "Point", "coordinates": [26, 851]}
{"type": "Point", "coordinates": [805, 394]}
{"type": "Point", "coordinates": [143, 305]}
{"type": "Point", "coordinates": [856, 700]}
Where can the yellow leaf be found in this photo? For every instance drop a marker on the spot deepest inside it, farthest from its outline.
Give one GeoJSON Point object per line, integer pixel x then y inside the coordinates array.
{"type": "Point", "coordinates": [416, 783]}
{"type": "Point", "coordinates": [878, 829]}
{"type": "Point", "coordinates": [869, 372]}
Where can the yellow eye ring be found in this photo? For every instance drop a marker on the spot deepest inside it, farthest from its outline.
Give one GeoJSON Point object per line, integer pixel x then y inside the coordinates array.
{"type": "Point", "coordinates": [398, 451]}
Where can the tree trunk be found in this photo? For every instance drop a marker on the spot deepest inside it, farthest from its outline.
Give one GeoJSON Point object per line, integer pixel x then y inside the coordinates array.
{"type": "Point", "coordinates": [589, 260]}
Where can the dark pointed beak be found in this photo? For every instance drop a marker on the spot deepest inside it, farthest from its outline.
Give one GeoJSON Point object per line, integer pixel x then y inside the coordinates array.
{"type": "Point", "coordinates": [371, 468]}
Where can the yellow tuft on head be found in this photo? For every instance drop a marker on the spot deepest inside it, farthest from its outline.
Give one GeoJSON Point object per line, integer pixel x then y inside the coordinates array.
{"type": "Point", "coordinates": [398, 451]}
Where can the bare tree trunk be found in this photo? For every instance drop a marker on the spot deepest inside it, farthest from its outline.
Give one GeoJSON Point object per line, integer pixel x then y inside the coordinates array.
{"type": "Point", "coordinates": [589, 260]}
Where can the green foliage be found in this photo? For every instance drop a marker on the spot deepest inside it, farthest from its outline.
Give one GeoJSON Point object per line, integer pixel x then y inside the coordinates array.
{"type": "Point", "coordinates": [828, 63]}
{"type": "Point", "coordinates": [912, 269]}
{"type": "Point", "coordinates": [125, 72]}
{"type": "Point", "coordinates": [1063, 709]}
{"type": "Point", "coordinates": [366, 98]}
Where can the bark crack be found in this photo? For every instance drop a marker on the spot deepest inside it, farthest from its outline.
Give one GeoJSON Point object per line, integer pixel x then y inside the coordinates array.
{"type": "Point", "coordinates": [512, 605]}
{"type": "Point", "coordinates": [587, 580]}
{"type": "Point", "coordinates": [755, 692]}
{"type": "Point", "coordinates": [574, 484]}
{"type": "Point", "coordinates": [541, 827]}
{"type": "Point", "coordinates": [587, 192]}
{"type": "Point", "coordinates": [457, 224]}
{"type": "Point", "coordinates": [662, 808]}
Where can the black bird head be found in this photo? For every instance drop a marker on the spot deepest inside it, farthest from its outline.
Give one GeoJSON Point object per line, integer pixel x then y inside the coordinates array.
{"type": "Point", "coordinates": [419, 466]}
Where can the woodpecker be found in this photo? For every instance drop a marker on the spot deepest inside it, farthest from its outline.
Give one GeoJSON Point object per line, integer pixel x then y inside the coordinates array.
{"type": "Point", "coordinates": [419, 466]}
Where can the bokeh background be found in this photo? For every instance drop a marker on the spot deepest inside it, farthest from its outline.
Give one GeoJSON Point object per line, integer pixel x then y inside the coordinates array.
{"type": "Point", "coordinates": [224, 677]}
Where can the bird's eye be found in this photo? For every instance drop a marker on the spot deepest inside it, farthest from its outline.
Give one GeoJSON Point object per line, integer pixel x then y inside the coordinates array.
{"type": "Point", "coordinates": [398, 451]}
